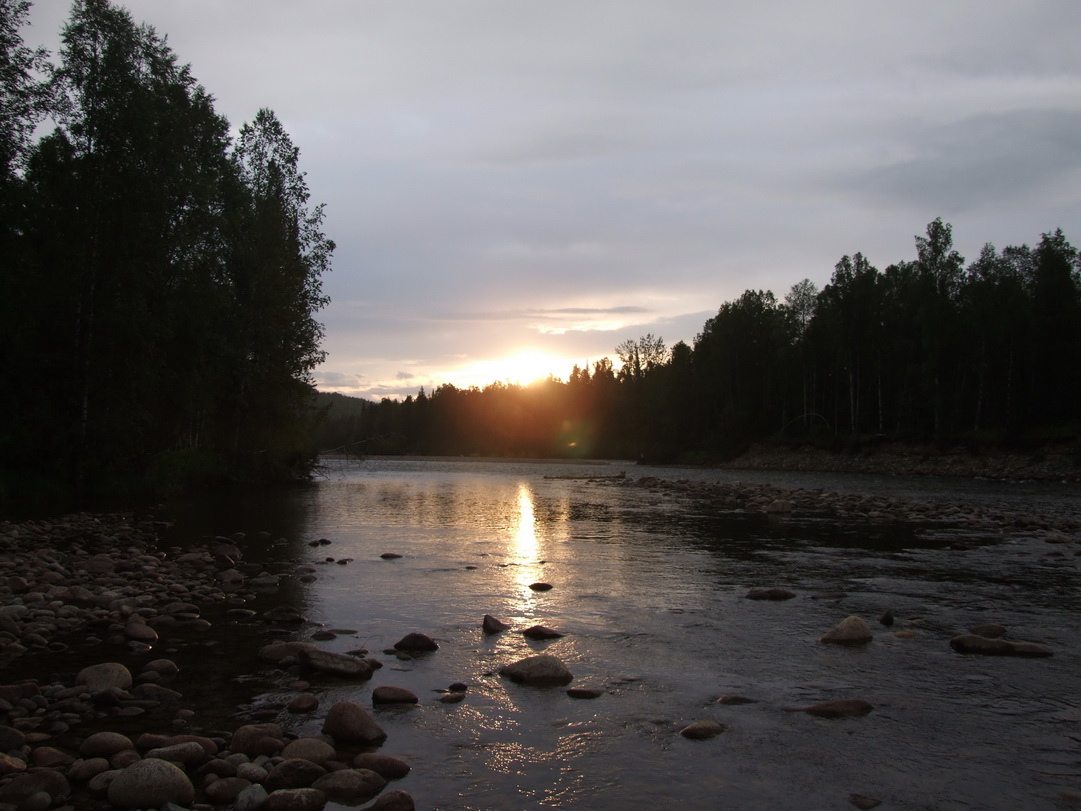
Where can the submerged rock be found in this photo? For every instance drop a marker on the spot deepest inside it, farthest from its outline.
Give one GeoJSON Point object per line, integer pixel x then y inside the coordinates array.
{"type": "Point", "coordinates": [416, 643]}
{"type": "Point", "coordinates": [773, 594]}
{"type": "Point", "coordinates": [972, 643]}
{"type": "Point", "coordinates": [702, 730]}
{"type": "Point", "coordinates": [846, 708]}
{"type": "Point", "coordinates": [388, 694]}
{"type": "Point", "coordinates": [493, 626]}
{"type": "Point", "coordinates": [541, 670]}
{"type": "Point", "coordinates": [539, 632]}
{"type": "Point", "coordinates": [849, 631]}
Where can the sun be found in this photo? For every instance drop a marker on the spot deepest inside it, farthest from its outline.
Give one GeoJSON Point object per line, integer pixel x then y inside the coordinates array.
{"type": "Point", "coordinates": [527, 367]}
{"type": "Point", "coordinates": [523, 367]}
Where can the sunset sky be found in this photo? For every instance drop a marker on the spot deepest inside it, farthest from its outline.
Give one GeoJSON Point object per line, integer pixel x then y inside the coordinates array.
{"type": "Point", "coordinates": [516, 187]}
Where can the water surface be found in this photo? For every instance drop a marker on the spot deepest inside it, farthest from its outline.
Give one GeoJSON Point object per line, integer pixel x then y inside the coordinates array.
{"type": "Point", "coordinates": [648, 586]}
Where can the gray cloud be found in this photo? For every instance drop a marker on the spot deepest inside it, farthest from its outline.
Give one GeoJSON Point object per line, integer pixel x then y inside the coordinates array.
{"type": "Point", "coordinates": [560, 176]}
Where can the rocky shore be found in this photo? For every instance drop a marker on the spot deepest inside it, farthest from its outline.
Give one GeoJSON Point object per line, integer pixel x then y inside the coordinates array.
{"type": "Point", "coordinates": [1058, 462]}
{"type": "Point", "coordinates": [124, 726]}
{"type": "Point", "coordinates": [104, 588]}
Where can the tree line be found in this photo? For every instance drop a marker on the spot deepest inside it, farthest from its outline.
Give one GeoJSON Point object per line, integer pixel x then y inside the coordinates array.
{"type": "Point", "coordinates": [159, 278]}
{"type": "Point", "coordinates": [927, 349]}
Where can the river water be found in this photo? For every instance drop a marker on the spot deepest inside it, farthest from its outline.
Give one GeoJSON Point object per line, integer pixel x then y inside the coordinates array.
{"type": "Point", "coordinates": [648, 588]}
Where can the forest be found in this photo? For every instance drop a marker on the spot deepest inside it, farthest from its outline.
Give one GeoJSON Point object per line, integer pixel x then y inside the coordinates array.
{"type": "Point", "coordinates": [159, 277]}
{"type": "Point", "coordinates": [927, 349]}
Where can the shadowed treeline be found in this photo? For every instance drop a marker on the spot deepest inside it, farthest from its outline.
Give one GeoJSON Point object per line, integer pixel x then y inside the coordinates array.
{"type": "Point", "coordinates": [159, 278]}
{"type": "Point", "coordinates": [926, 349]}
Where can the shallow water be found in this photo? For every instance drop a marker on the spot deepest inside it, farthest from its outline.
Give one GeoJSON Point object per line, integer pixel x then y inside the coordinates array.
{"type": "Point", "coordinates": [648, 588]}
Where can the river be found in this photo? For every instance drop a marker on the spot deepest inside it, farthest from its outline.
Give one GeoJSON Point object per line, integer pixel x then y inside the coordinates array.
{"type": "Point", "coordinates": [648, 588]}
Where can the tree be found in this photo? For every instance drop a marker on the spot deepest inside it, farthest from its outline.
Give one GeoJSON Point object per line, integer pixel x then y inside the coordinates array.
{"type": "Point", "coordinates": [279, 255]}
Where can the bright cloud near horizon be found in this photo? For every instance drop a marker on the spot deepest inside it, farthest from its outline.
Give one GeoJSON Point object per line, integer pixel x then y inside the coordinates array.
{"type": "Point", "coordinates": [517, 187]}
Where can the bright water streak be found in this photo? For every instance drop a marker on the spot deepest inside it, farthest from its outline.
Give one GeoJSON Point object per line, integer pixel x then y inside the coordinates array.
{"type": "Point", "coordinates": [648, 588]}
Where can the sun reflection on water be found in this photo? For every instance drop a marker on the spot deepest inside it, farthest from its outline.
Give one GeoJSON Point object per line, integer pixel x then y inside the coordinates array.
{"type": "Point", "coordinates": [525, 538]}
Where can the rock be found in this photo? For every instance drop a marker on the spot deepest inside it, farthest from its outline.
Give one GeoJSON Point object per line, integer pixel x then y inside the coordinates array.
{"type": "Point", "coordinates": [96, 678]}
{"type": "Point", "coordinates": [886, 619]}
{"type": "Point", "coordinates": [541, 586]}
{"type": "Point", "coordinates": [774, 594]}
{"type": "Point", "coordinates": [141, 632]}
{"type": "Point", "coordinates": [416, 643]}
{"type": "Point", "coordinates": [585, 692]}
{"type": "Point", "coordinates": [702, 730]}
{"type": "Point", "coordinates": [157, 693]}
{"type": "Point", "coordinates": [104, 745]}
{"type": "Point", "coordinates": [493, 626]}
{"type": "Point", "coordinates": [305, 702]}
{"type": "Point", "coordinates": [846, 708]}
{"type": "Point", "coordinates": [226, 790]}
{"type": "Point", "coordinates": [386, 766]}
{"type": "Point", "coordinates": [390, 556]}
{"type": "Point", "coordinates": [164, 667]}
{"type": "Point", "coordinates": [316, 750]}
{"type": "Point", "coordinates": [252, 739]}
{"type": "Point", "coordinates": [84, 770]}
{"type": "Point", "coordinates": [293, 773]}
{"type": "Point", "coordinates": [539, 632]}
{"type": "Point", "coordinates": [187, 753]}
{"type": "Point", "coordinates": [349, 723]}
{"type": "Point", "coordinates": [971, 643]}
{"type": "Point", "coordinates": [396, 800]}
{"type": "Point", "coordinates": [23, 786]}
{"type": "Point", "coordinates": [294, 799]}
{"type": "Point", "coordinates": [50, 757]}
{"type": "Point", "coordinates": [10, 738]}
{"type": "Point", "coordinates": [850, 631]}
{"type": "Point", "coordinates": [541, 670]}
{"type": "Point", "coordinates": [150, 783]}
{"type": "Point", "coordinates": [250, 799]}
{"type": "Point", "coordinates": [387, 694]}
{"type": "Point", "coordinates": [38, 801]}
{"type": "Point", "coordinates": [451, 698]}
{"type": "Point", "coordinates": [905, 633]}
{"type": "Point", "coordinates": [864, 802]}
{"type": "Point", "coordinates": [350, 786]}
{"type": "Point", "coordinates": [735, 701]}
{"type": "Point", "coordinates": [337, 664]}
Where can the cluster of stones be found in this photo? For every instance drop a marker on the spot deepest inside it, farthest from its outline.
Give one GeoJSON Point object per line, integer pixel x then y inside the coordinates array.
{"type": "Point", "coordinates": [105, 579]}
{"type": "Point", "coordinates": [765, 498]}
{"type": "Point", "coordinates": [258, 766]}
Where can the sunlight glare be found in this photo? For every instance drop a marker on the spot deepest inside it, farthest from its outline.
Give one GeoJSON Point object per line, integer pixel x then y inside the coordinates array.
{"type": "Point", "coordinates": [526, 535]}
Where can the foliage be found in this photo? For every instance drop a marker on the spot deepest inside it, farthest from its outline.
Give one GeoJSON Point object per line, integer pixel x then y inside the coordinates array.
{"type": "Point", "coordinates": [925, 350]}
{"type": "Point", "coordinates": [161, 282]}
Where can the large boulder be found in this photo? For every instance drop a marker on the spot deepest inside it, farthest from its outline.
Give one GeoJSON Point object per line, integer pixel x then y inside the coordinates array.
{"type": "Point", "coordinates": [150, 783]}
{"type": "Point", "coordinates": [849, 631]}
{"type": "Point", "coordinates": [349, 723]}
{"type": "Point", "coordinates": [541, 670]}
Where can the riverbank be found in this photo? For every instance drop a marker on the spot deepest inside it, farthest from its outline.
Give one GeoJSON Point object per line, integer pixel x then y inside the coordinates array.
{"type": "Point", "coordinates": [178, 631]}
{"type": "Point", "coordinates": [1051, 462]}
